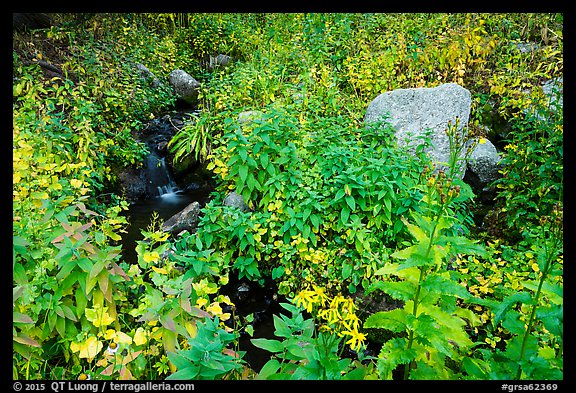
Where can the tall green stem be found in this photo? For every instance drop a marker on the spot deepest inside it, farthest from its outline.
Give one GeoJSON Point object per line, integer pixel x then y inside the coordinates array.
{"type": "Point", "coordinates": [417, 296]}
{"type": "Point", "coordinates": [550, 255]}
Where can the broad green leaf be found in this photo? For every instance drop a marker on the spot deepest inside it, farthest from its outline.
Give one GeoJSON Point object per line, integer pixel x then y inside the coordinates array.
{"type": "Point", "coordinates": [185, 373]}
{"type": "Point", "coordinates": [393, 353]}
{"type": "Point", "coordinates": [415, 231]}
{"type": "Point", "coordinates": [281, 327]}
{"type": "Point", "coordinates": [268, 344]}
{"type": "Point", "coordinates": [299, 349]}
{"type": "Point", "coordinates": [21, 318]}
{"type": "Point", "coordinates": [442, 283]}
{"type": "Point", "coordinates": [388, 269]}
{"type": "Point", "coordinates": [476, 368]}
{"type": "Point", "coordinates": [463, 245]}
{"type": "Point", "coordinates": [243, 173]}
{"type": "Point", "coordinates": [393, 320]}
{"type": "Point", "coordinates": [350, 202]}
{"type": "Point", "coordinates": [264, 160]}
{"type": "Point", "coordinates": [554, 293]}
{"type": "Point", "coordinates": [24, 339]}
{"type": "Point", "coordinates": [401, 290]}
{"type": "Point", "coordinates": [315, 220]}
{"type": "Point", "coordinates": [61, 326]}
{"type": "Point", "coordinates": [346, 270]}
{"type": "Point", "coordinates": [405, 253]}
{"type": "Point", "coordinates": [344, 215]}
{"type": "Point", "coordinates": [513, 323]}
{"type": "Point", "coordinates": [339, 195]}
{"type": "Point", "coordinates": [552, 318]}
{"type": "Point", "coordinates": [500, 309]}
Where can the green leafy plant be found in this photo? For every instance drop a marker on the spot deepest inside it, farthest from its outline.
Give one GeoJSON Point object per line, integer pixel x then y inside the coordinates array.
{"type": "Point", "coordinates": [301, 353]}
{"type": "Point", "coordinates": [208, 355]}
{"type": "Point", "coordinates": [332, 203]}
{"type": "Point", "coordinates": [193, 139]}
{"type": "Point", "coordinates": [534, 156]}
{"type": "Point", "coordinates": [429, 291]}
{"type": "Point", "coordinates": [538, 305]}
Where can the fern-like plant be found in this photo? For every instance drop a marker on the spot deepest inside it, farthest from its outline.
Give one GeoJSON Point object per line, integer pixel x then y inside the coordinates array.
{"type": "Point", "coordinates": [194, 138]}
{"type": "Point", "coordinates": [429, 329]}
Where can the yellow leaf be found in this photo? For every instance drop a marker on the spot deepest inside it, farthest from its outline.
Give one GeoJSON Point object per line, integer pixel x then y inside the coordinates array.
{"type": "Point", "coordinates": [99, 316]}
{"type": "Point", "coordinates": [140, 336]}
{"type": "Point", "coordinates": [160, 236]}
{"type": "Point", "coordinates": [74, 347]}
{"type": "Point", "coordinates": [90, 348]}
{"type": "Point", "coordinates": [76, 183]}
{"type": "Point", "coordinates": [191, 329]}
{"type": "Point", "coordinates": [123, 338]}
{"type": "Point", "coordinates": [151, 256]}
{"type": "Point", "coordinates": [201, 302]}
{"type": "Point", "coordinates": [223, 280]}
{"type": "Point", "coordinates": [102, 362]}
{"type": "Point", "coordinates": [159, 270]}
{"type": "Point", "coordinates": [214, 308]}
{"type": "Point", "coordinates": [109, 334]}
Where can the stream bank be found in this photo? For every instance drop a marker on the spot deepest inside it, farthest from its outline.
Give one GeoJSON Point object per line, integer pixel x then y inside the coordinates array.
{"type": "Point", "coordinates": [156, 187]}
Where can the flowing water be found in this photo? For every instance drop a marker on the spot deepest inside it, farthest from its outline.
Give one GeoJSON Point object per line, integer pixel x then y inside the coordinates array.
{"type": "Point", "coordinates": [168, 199]}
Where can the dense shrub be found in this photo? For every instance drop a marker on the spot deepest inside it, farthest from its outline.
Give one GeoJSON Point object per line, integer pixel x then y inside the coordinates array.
{"type": "Point", "coordinates": [336, 210]}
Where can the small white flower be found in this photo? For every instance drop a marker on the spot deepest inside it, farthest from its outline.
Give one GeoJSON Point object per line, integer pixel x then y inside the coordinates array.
{"type": "Point", "coordinates": [112, 348]}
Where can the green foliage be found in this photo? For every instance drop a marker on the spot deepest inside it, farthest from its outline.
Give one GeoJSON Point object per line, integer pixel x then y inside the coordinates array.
{"type": "Point", "coordinates": [312, 195]}
{"type": "Point", "coordinates": [208, 356]}
{"type": "Point", "coordinates": [333, 204]}
{"type": "Point", "coordinates": [301, 353]}
{"type": "Point", "coordinates": [66, 253]}
{"type": "Point", "coordinates": [534, 155]}
{"type": "Point", "coordinates": [428, 290]}
{"type": "Point", "coordinates": [525, 313]}
{"type": "Point", "coordinates": [195, 138]}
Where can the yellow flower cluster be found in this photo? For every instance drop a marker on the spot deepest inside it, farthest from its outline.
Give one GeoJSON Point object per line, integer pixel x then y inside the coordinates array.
{"type": "Point", "coordinates": [339, 313]}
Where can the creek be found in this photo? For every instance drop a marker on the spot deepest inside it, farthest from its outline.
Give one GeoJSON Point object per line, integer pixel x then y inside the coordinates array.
{"type": "Point", "coordinates": [166, 198]}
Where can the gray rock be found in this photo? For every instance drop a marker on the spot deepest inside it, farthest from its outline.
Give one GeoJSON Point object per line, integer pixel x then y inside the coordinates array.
{"type": "Point", "coordinates": [234, 199]}
{"type": "Point", "coordinates": [484, 162]}
{"type": "Point", "coordinates": [186, 219]}
{"type": "Point", "coordinates": [220, 60]}
{"type": "Point", "coordinates": [414, 112]}
{"type": "Point", "coordinates": [185, 86]}
{"type": "Point", "coordinates": [133, 183]}
{"type": "Point", "coordinates": [525, 47]}
{"type": "Point", "coordinates": [147, 74]}
{"type": "Point", "coordinates": [554, 90]}
{"type": "Point", "coordinates": [248, 116]}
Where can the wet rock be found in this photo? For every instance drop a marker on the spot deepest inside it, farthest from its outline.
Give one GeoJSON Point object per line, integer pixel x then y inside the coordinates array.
{"type": "Point", "coordinates": [484, 162]}
{"type": "Point", "coordinates": [220, 60]}
{"type": "Point", "coordinates": [187, 219]}
{"type": "Point", "coordinates": [185, 86]}
{"type": "Point", "coordinates": [133, 183]}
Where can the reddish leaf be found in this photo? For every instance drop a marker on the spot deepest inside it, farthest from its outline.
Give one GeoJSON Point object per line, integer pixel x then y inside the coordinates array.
{"type": "Point", "coordinates": [23, 339]}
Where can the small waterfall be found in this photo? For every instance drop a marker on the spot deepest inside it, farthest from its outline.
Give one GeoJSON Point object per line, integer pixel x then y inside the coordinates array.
{"type": "Point", "coordinates": [160, 180]}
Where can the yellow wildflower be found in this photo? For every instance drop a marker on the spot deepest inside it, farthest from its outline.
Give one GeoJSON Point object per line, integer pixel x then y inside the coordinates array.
{"type": "Point", "coordinates": [356, 340]}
